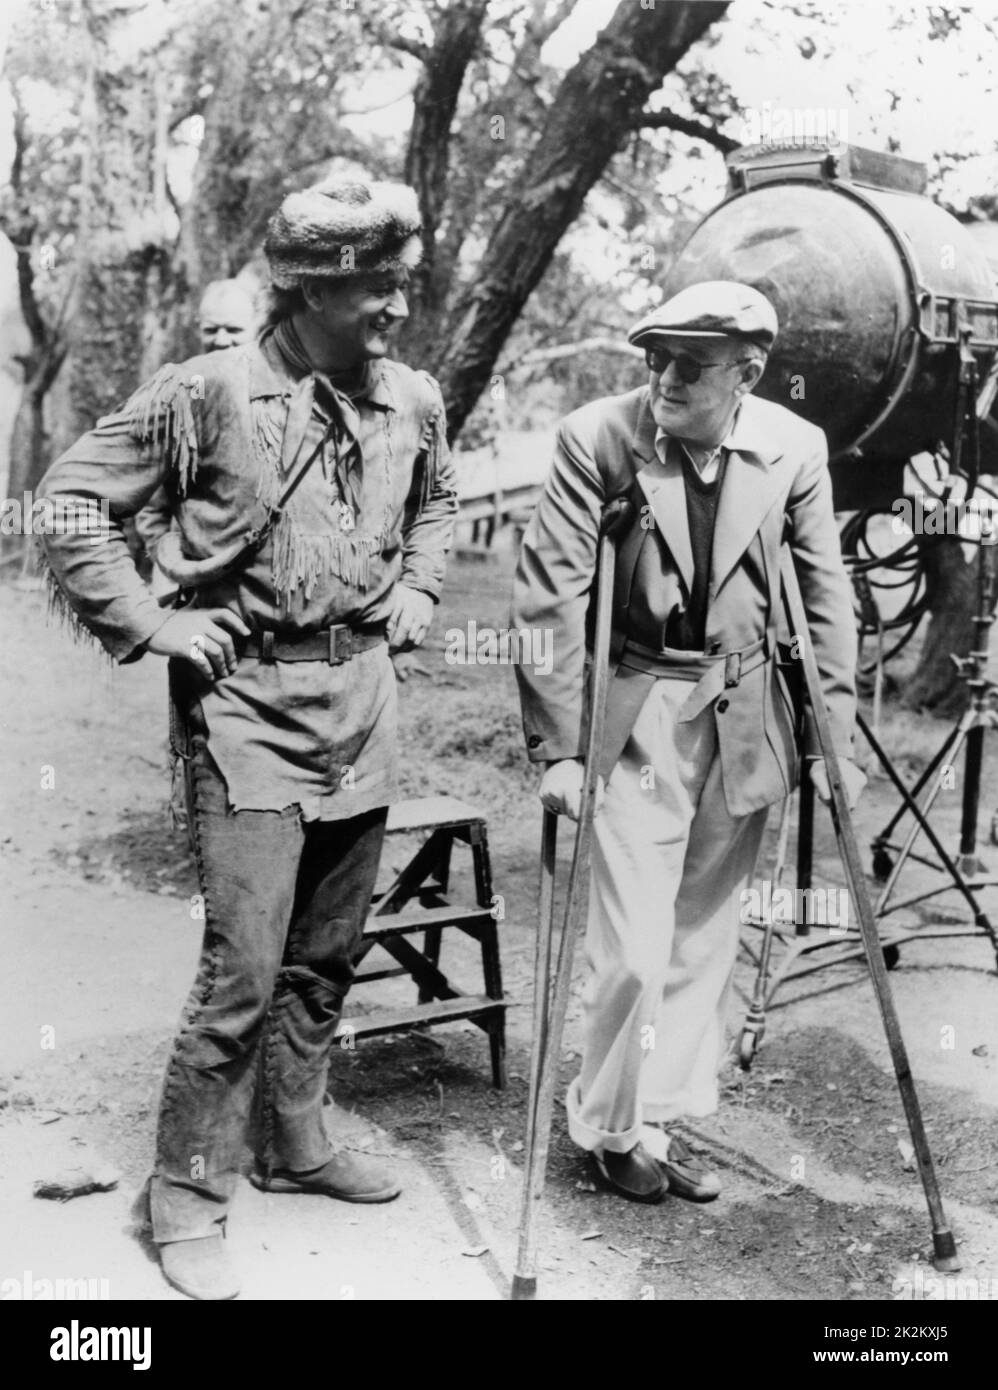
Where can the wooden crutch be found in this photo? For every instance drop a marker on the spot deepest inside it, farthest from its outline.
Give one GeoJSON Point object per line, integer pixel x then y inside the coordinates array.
{"type": "Point", "coordinates": [551, 1004]}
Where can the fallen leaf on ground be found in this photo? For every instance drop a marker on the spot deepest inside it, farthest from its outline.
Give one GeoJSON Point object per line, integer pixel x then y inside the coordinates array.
{"type": "Point", "coordinates": [77, 1180]}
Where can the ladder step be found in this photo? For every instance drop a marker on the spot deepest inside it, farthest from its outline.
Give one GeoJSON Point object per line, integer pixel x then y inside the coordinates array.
{"type": "Point", "coordinates": [419, 918]}
{"type": "Point", "coordinates": [430, 813]}
{"type": "Point", "coordinates": [370, 975]}
{"type": "Point", "coordinates": [439, 1011]}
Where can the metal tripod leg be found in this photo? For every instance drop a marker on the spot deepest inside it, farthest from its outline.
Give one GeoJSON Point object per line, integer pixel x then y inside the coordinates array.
{"type": "Point", "coordinates": [754, 1027]}
{"type": "Point", "coordinates": [942, 1238]}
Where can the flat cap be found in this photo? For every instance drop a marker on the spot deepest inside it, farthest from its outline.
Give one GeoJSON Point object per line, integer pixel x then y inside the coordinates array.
{"type": "Point", "coordinates": [712, 309]}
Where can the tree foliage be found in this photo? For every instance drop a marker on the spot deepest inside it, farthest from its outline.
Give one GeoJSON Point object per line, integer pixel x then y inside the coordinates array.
{"type": "Point", "coordinates": [174, 130]}
{"type": "Point", "coordinates": [543, 190]}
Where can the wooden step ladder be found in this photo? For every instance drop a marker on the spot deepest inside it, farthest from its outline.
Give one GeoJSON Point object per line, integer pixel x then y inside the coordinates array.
{"type": "Point", "coordinates": [415, 903]}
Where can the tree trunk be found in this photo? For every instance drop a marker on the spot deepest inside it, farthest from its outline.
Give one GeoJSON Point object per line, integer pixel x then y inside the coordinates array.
{"type": "Point", "coordinates": [213, 220]}
{"type": "Point", "coordinates": [588, 122]}
{"type": "Point", "coordinates": [427, 158]}
{"type": "Point", "coordinates": [123, 270]}
{"type": "Point", "coordinates": [29, 456]}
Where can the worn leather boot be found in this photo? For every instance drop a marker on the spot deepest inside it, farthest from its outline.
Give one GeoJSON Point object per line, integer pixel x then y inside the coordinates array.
{"type": "Point", "coordinates": [199, 1268]}
{"type": "Point", "coordinates": [350, 1177]}
{"type": "Point", "coordinates": [687, 1174]}
{"type": "Point", "coordinates": [634, 1175]}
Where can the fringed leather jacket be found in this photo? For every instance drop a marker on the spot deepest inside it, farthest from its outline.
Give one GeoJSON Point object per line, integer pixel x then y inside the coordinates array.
{"type": "Point", "coordinates": [218, 434]}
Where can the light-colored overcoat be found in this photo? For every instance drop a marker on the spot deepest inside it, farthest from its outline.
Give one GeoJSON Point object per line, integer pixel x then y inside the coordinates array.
{"type": "Point", "coordinates": [776, 487]}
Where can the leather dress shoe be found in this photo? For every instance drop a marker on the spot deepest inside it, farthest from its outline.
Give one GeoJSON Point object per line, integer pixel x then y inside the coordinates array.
{"type": "Point", "coordinates": [344, 1175]}
{"type": "Point", "coordinates": [199, 1268]}
{"type": "Point", "coordinates": [634, 1175]}
{"type": "Point", "coordinates": [687, 1175]}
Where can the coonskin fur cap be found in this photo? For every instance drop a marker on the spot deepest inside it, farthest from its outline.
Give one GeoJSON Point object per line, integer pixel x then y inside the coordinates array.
{"type": "Point", "coordinates": [336, 230]}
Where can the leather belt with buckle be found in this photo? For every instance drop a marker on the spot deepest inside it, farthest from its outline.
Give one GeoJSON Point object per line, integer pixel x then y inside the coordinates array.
{"type": "Point", "coordinates": [692, 666]}
{"type": "Point", "coordinates": [334, 645]}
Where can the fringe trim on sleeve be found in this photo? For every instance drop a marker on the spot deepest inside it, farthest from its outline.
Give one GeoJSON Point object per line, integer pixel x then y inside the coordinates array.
{"type": "Point", "coordinates": [162, 419]}
{"type": "Point", "coordinates": [59, 610]}
{"type": "Point", "coordinates": [269, 432]}
{"type": "Point", "coordinates": [434, 444]}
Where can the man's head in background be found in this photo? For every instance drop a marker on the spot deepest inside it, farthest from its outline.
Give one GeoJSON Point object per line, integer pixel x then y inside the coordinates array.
{"type": "Point", "coordinates": [226, 315]}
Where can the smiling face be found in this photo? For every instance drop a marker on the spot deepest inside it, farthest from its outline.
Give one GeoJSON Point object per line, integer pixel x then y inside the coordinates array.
{"type": "Point", "coordinates": [352, 320]}
{"type": "Point", "coordinates": [701, 411]}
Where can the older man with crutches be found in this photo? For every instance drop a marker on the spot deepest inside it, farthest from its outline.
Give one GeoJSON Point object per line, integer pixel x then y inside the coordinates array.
{"type": "Point", "coordinates": [699, 736]}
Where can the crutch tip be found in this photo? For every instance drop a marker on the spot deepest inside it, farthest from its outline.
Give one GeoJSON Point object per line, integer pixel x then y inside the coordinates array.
{"type": "Point", "coordinates": [945, 1259]}
{"type": "Point", "coordinates": [524, 1288]}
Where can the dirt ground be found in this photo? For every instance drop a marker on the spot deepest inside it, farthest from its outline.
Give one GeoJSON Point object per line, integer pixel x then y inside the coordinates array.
{"type": "Point", "coordinates": [821, 1198]}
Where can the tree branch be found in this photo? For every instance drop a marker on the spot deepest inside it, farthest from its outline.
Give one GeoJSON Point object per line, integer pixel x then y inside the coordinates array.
{"type": "Point", "coordinates": [585, 126]}
{"type": "Point", "coordinates": [540, 30]}
{"type": "Point", "coordinates": [21, 233]}
{"type": "Point", "coordinates": [698, 130]}
{"type": "Point", "coordinates": [533, 356]}
{"type": "Point", "coordinates": [411, 46]}
{"type": "Point", "coordinates": [388, 37]}
{"type": "Point", "coordinates": [30, 310]}
{"type": "Point", "coordinates": [435, 106]}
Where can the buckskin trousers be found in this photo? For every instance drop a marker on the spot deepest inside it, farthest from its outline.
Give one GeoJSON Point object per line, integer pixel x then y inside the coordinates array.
{"type": "Point", "coordinates": [668, 869]}
{"type": "Point", "coordinates": [285, 903]}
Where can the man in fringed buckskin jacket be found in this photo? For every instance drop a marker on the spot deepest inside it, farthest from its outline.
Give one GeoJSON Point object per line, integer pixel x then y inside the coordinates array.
{"type": "Point", "coordinates": [283, 692]}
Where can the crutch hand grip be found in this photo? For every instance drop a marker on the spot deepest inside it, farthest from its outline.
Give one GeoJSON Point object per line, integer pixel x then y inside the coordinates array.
{"type": "Point", "coordinates": [615, 515]}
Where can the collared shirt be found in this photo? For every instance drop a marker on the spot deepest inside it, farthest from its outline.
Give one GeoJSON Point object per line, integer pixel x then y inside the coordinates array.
{"type": "Point", "coordinates": [210, 431]}
{"type": "Point", "coordinates": [707, 474]}
{"type": "Point", "coordinates": [682, 627]}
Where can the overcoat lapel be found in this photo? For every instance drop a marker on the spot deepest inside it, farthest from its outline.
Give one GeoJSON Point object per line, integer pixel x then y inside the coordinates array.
{"type": "Point", "coordinates": [663, 487]}
{"type": "Point", "coordinates": [749, 490]}
{"type": "Point", "coordinates": [751, 485]}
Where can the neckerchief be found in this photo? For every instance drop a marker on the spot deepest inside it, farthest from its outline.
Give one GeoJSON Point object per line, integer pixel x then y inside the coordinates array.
{"type": "Point", "coordinates": [335, 396]}
{"type": "Point", "coordinates": [305, 545]}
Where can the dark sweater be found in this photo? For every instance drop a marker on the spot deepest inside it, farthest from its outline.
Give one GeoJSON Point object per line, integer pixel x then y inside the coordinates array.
{"type": "Point", "coordinates": [686, 628]}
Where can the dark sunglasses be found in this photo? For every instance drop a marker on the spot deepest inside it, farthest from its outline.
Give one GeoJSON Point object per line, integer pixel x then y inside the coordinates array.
{"type": "Point", "coordinates": [688, 369]}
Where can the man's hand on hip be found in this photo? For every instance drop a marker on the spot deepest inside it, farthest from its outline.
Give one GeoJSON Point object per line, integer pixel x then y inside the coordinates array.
{"type": "Point", "coordinates": [410, 618]}
{"type": "Point", "coordinates": [202, 636]}
{"type": "Point", "coordinates": [561, 788]}
{"type": "Point", "coordinates": [853, 781]}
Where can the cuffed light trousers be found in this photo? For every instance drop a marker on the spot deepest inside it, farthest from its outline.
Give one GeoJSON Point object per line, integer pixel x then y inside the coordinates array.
{"type": "Point", "coordinates": [669, 866]}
